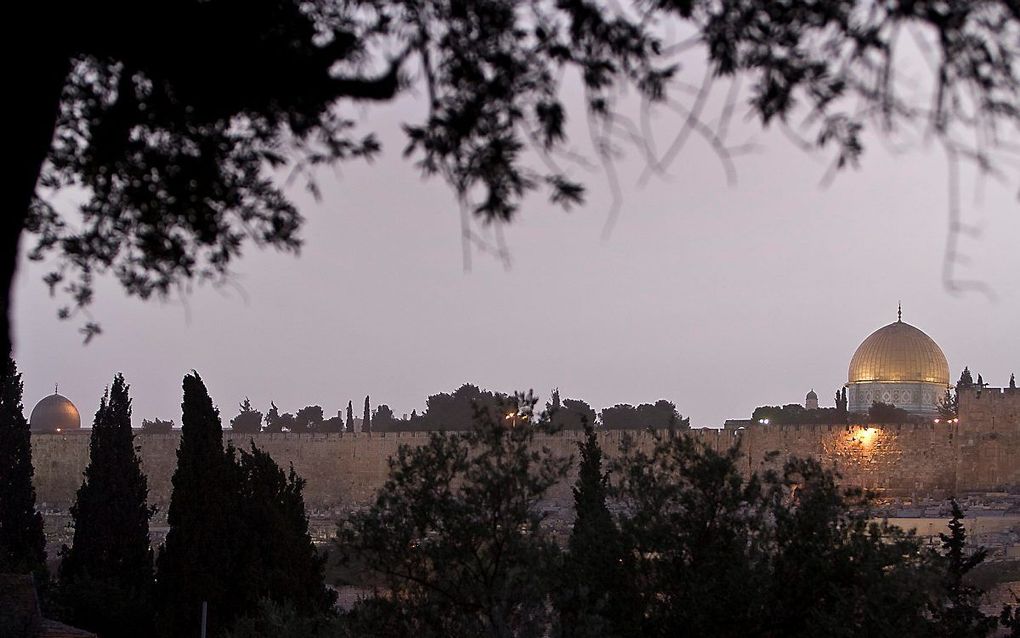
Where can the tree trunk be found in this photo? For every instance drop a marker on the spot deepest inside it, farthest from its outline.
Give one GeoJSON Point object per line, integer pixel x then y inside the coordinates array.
{"type": "Point", "coordinates": [35, 100]}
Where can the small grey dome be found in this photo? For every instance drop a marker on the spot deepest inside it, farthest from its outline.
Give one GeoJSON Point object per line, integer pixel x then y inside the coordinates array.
{"type": "Point", "coordinates": [812, 395]}
{"type": "Point", "coordinates": [55, 413]}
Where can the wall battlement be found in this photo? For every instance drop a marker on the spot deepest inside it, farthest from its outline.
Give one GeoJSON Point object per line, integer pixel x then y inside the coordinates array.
{"type": "Point", "coordinates": [981, 452]}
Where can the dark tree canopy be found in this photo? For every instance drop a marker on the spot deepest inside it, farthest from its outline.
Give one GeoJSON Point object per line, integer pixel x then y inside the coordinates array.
{"type": "Point", "coordinates": [679, 543]}
{"type": "Point", "coordinates": [333, 425]}
{"type": "Point", "coordinates": [248, 420]}
{"type": "Point", "coordinates": [570, 414]}
{"type": "Point", "coordinates": [966, 379]}
{"type": "Point", "coordinates": [157, 426]}
{"type": "Point", "coordinates": [307, 419]}
{"type": "Point", "coordinates": [278, 561]}
{"type": "Point", "coordinates": [275, 422]}
{"type": "Point", "coordinates": [717, 554]}
{"type": "Point", "coordinates": [796, 414]}
{"type": "Point", "coordinates": [457, 535]}
{"type": "Point", "coordinates": [383, 419]}
{"type": "Point", "coordinates": [173, 147]}
{"type": "Point", "coordinates": [457, 411]}
{"type": "Point", "coordinates": [887, 413]}
{"type": "Point", "coordinates": [106, 576]}
{"type": "Point", "coordinates": [660, 415]}
{"type": "Point", "coordinates": [22, 544]}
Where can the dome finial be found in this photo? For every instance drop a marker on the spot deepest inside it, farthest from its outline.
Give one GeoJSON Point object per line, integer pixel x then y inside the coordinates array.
{"type": "Point", "coordinates": [899, 311]}
{"type": "Point", "coordinates": [56, 387]}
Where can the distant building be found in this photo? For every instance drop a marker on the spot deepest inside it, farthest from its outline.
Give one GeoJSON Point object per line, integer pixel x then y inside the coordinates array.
{"type": "Point", "coordinates": [737, 424]}
{"type": "Point", "coordinates": [900, 365]}
{"type": "Point", "coordinates": [55, 413]}
{"type": "Point", "coordinates": [811, 401]}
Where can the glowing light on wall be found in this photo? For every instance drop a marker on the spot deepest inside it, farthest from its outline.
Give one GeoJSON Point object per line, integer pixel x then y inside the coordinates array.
{"type": "Point", "coordinates": [865, 437]}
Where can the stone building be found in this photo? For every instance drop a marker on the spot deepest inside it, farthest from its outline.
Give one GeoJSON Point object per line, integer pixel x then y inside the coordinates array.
{"type": "Point", "coordinates": [811, 401]}
{"type": "Point", "coordinates": [55, 413]}
{"type": "Point", "coordinates": [900, 365]}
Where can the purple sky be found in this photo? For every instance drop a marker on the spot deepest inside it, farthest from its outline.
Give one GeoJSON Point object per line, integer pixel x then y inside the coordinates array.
{"type": "Point", "coordinates": [717, 298]}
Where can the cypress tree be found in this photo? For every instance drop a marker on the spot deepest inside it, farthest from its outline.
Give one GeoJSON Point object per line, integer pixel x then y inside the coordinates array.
{"type": "Point", "coordinates": [966, 379]}
{"type": "Point", "coordinates": [959, 613]}
{"type": "Point", "coordinates": [199, 559]}
{"type": "Point", "coordinates": [22, 542]}
{"type": "Point", "coordinates": [1012, 382]}
{"type": "Point", "coordinates": [595, 602]}
{"type": "Point", "coordinates": [350, 416]}
{"type": "Point", "coordinates": [949, 405]}
{"type": "Point", "coordinates": [366, 420]}
{"type": "Point", "coordinates": [106, 576]}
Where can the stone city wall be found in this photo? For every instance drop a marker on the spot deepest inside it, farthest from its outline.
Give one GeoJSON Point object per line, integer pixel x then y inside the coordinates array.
{"type": "Point", "coordinates": [980, 452]}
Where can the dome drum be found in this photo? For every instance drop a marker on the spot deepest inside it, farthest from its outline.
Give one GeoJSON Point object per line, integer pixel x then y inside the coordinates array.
{"type": "Point", "coordinates": [917, 398]}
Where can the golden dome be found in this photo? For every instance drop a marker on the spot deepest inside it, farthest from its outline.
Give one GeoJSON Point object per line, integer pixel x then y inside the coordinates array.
{"type": "Point", "coordinates": [54, 413]}
{"type": "Point", "coordinates": [899, 352]}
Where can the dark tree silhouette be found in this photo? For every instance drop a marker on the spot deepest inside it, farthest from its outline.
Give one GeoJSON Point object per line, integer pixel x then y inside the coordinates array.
{"type": "Point", "coordinates": [570, 414]}
{"type": "Point", "coordinates": [383, 419]}
{"type": "Point", "coordinates": [106, 576]}
{"type": "Point", "coordinates": [157, 426]}
{"type": "Point", "coordinates": [594, 599]}
{"type": "Point", "coordinates": [22, 543]}
{"type": "Point", "coordinates": [966, 380]}
{"type": "Point", "coordinates": [278, 561]}
{"type": "Point", "coordinates": [199, 559]}
{"type": "Point", "coordinates": [887, 413]}
{"type": "Point", "coordinates": [456, 534]}
{"type": "Point", "coordinates": [658, 416]}
{"type": "Point", "coordinates": [1012, 382]}
{"type": "Point", "coordinates": [949, 405]}
{"type": "Point", "coordinates": [307, 419]}
{"type": "Point", "coordinates": [795, 413]}
{"type": "Point", "coordinates": [366, 419]}
{"type": "Point", "coordinates": [959, 615]}
{"type": "Point", "coordinates": [350, 417]}
{"type": "Point", "coordinates": [842, 406]}
{"type": "Point", "coordinates": [172, 147]}
{"type": "Point", "coordinates": [272, 419]}
{"type": "Point", "coordinates": [248, 420]}
{"type": "Point", "coordinates": [457, 411]}
{"type": "Point", "coordinates": [276, 422]}
{"type": "Point", "coordinates": [716, 553]}
{"type": "Point", "coordinates": [331, 425]}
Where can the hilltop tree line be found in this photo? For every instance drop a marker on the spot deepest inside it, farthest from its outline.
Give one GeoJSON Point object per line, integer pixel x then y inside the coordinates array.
{"type": "Point", "coordinates": [667, 541]}
{"type": "Point", "coordinates": [879, 412]}
{"type": "Point", "coordinates": [447, 411]}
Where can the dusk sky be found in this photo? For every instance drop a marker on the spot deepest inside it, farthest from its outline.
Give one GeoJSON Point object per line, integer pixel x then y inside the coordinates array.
{"type": "Point", "coordinates": [717, 298]}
